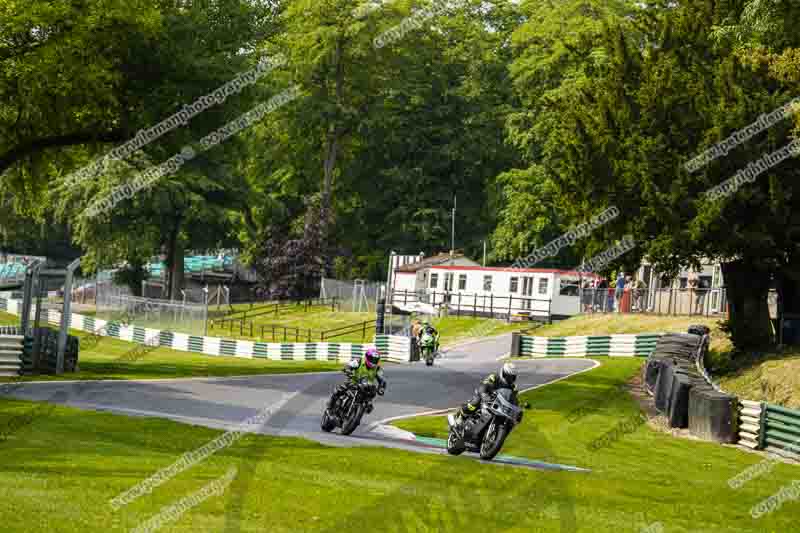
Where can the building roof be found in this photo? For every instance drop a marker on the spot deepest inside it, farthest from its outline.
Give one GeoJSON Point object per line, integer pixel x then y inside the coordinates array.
{"type": "Point", "coordinates": [431, 261]}
{"type": "Point", "coordinates": [520, 270]}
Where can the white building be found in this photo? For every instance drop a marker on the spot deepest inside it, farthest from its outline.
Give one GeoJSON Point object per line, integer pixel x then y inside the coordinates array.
{"type": "Point", "coordinates": [469, 288]}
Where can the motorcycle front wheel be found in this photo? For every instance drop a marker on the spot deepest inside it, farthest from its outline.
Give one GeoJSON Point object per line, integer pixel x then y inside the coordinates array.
{"type": "Point", "coordinates": [493, 440]}
{"type": "Point", "coordinates": [328, 422]}
{"type": "Point", "coordinates": [455, 446]}
{"type": "Point", "coordinates": [352, 423]}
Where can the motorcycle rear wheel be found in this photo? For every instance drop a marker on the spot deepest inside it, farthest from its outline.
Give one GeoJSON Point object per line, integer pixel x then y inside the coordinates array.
{"type": "Point", "coordinates": [493, 441]}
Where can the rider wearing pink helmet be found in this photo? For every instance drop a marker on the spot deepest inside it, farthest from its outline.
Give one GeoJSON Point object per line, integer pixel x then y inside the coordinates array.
{"type": "Point", "coordinates": [368, 368]}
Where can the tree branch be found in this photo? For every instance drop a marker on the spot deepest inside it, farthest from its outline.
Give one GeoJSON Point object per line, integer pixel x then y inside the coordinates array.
{"type": "Point", "coordinates": [57, 141]}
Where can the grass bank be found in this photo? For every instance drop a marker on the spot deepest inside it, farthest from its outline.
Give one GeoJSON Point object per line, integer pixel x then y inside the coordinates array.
{"type": "Point", "coordinates": [58, 472]}
{"type": "Point", "coordinates": [680, 483]}
{"type": "Point", "coordinates": [108, 358]}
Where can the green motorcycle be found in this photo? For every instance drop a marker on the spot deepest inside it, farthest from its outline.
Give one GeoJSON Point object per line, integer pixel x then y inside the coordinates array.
{"type": "Point", "coordinates": [427, 346]}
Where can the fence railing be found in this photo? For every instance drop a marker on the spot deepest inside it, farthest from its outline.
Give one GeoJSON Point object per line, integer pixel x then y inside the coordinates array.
{"type": "Point", "coordinates": [276, 308]}
{"type": "Point", "coordinates": [669, 301]}
{"type": "Point", "coordinates": [280, 332]}
{"type": "Point", "coordinates": [781, 430]}
{"type": "Point", "coordinates": [474, 304]}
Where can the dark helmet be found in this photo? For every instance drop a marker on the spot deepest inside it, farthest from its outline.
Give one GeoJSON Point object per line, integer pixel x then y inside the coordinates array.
{"type": "Point", "coordinates": [508, 374]}
{"type": "Point", "coordinates": [372, 358]}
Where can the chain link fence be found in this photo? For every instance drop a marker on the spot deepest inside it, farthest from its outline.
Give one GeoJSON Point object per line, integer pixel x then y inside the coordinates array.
{"type": "Point", "coordinates": [116, 303]}
{"type": "Point", "coordinates": [357, 296]}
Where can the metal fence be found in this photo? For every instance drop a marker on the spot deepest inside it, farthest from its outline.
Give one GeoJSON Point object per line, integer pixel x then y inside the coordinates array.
{"type": "Point", "coordinates": [115, 303]}
{"type": "Point", "coordinates": [358, 296]}
{"type": "Point", "coordinates": [478, 305]}
{"type": "Point", "coordinates": [692, 302]}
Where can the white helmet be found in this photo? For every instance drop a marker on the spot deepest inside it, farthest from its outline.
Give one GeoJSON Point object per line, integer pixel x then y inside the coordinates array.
{"type": "Point", "coordinates": [508, 374]}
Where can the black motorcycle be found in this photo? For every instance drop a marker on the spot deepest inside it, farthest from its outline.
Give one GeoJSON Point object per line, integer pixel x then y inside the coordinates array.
{"type": "Point", "coordinates": [348, 409]}
{"type": "Point", "coordinates": [486, 432]}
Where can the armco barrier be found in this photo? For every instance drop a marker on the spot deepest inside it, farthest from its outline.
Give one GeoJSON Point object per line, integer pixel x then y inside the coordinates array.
{"type": "Point", "coordinates": [781, 430]}
{"type": "Point", "coordinates": [394, 348]}
{"type": "Point", "coordinates": [584, 346]}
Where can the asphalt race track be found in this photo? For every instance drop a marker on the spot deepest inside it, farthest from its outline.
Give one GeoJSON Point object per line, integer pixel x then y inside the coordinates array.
{"type": "Point", "coordinates": [224, 402]}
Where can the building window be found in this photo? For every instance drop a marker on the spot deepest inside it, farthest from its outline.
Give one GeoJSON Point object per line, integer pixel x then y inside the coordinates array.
{"type": "Point", "coordinates": [487, 283]}
{"type": "Point", "coordinates": [569, 287]}
{"type": "Point", "coordinates": [543, 284]}
{"type": "Point", "coordinates": [448, 281]}
{"type": "Point", "coordinates": [514, 285]}
{"type": "Point", "coordinates": [462, 282]}
{"type": "Point", "coordinates": [434, 280]}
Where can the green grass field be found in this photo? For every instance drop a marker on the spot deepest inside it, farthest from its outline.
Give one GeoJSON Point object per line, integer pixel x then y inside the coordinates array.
{"type": "Point", "coordinates": [102, 360]}
{"type": "Point", "coordinates": [59, 472]}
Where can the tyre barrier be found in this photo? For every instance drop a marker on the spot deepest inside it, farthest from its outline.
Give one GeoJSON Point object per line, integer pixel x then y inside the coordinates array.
{"type": "Point", "coordinates": [48, 352]}
{"type": "Point", "coordinates": [675, 376]}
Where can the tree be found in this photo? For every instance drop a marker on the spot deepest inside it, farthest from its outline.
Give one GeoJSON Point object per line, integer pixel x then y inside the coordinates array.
{"type": "Point", "coordinates": [657, 91]}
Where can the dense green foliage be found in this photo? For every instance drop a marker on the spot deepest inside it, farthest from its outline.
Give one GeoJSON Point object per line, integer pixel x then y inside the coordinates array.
{"type": "Point", "coordinates": [537, 115]}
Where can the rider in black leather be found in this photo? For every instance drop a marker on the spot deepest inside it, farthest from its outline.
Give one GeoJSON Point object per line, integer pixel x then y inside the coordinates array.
{"type": "Point", "coordinates": [489, 385]}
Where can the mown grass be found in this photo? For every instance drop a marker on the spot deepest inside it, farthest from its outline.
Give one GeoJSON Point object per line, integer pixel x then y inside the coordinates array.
{"type": "Point", "coordinates": [678, 482]}
{"type": "Point", "coordinates": [59, 472]}
{"type": "Point", "coordinates": [108, 358]}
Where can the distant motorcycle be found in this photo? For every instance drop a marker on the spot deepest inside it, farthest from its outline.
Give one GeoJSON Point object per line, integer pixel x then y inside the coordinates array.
{"type": "Point", "coordinates": [427, 345]}
{"type": "Point", "coordinates": [348, 409]}
{"type": "Point", "coordinates": [486, 432]}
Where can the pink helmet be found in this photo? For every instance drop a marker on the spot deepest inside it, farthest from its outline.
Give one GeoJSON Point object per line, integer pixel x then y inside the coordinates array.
{"type": "Point", "coordinates": [372, 358]}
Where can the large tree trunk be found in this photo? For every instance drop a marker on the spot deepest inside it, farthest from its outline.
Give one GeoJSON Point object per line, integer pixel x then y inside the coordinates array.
{"type": "Point", "coordinates": [788, 293]}
{"type": "Point", "coordinates": [747, 289]}
{"type": "Point", "coordinates": [174, 261]}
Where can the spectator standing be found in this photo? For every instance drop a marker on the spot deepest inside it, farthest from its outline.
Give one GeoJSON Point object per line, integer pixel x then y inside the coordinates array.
{"type": "Point", "coordinates": [600, 294]}
{"type": "Point", "coordinates": [639, 287]}
{"type": "Point", "coordinates": [587, 296]}
{"type": "Point", "coordinates": [620, 289]}
{"type": "Point", "coordinates": [693, 282]}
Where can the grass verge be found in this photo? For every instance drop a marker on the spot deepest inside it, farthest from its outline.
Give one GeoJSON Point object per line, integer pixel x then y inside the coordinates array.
{"type": "Point", "coordinates": [108, 358]}
{"type": "Point", "coordinates": [58, 473]}
{"type": "Point", "coordinates": [677, 482]}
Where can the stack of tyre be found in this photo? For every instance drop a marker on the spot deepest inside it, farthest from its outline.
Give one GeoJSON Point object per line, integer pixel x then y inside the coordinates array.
{"type": "Point", "coordinates": [48, 352]}
{"type": "Point", "coordinates": [674, 377]}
